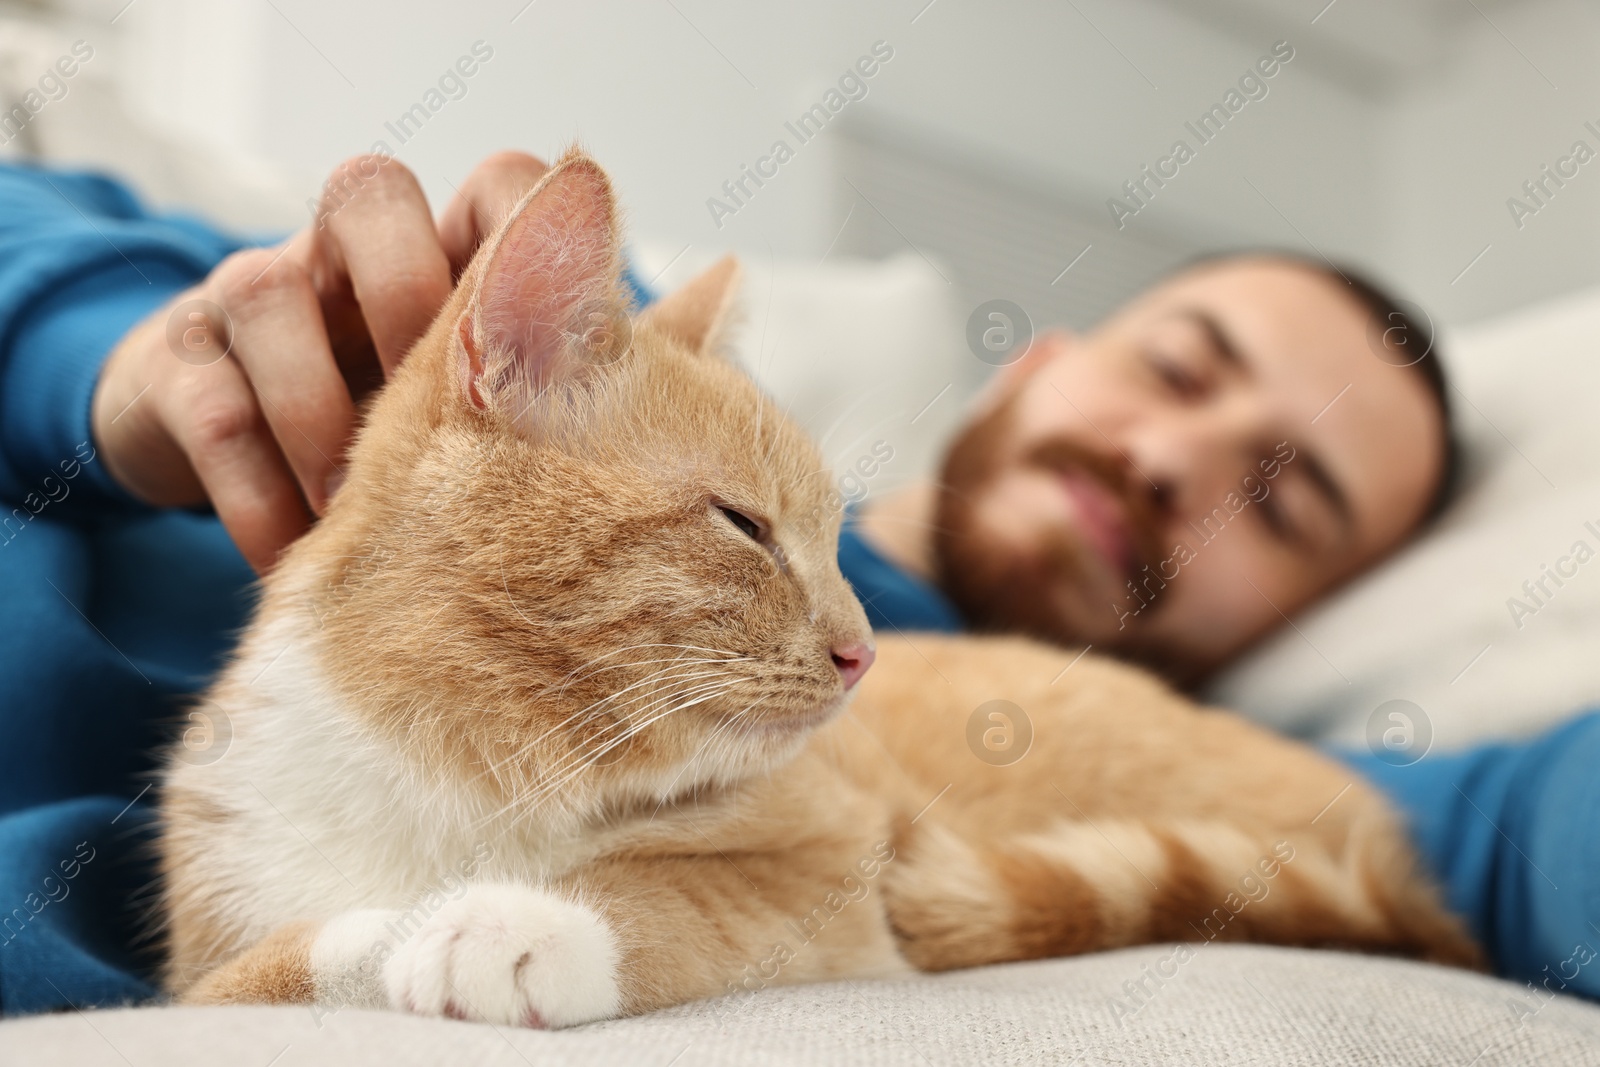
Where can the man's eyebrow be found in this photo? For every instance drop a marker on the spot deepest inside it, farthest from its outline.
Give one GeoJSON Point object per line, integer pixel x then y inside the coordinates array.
{"type": "Point", "coordinates": [1330, 489]}
{"type": "Point", "coordinates": [1221, 342]}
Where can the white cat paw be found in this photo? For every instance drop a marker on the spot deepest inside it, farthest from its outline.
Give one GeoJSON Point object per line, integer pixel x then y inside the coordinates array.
{"type": "Point", "coordinates": [509, 955]}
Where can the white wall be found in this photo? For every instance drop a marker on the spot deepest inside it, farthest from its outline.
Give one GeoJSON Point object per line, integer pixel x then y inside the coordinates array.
{"type": "Point", "coordinates": [1465, 139]}
{"type": "Point", "coordinates": [1393, 137]}
{"type": "Point", "coordinates": [1029, 83]}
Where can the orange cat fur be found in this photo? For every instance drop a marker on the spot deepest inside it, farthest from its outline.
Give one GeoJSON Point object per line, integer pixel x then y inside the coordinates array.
{"type": "Point", "coordinates": [546, 721]}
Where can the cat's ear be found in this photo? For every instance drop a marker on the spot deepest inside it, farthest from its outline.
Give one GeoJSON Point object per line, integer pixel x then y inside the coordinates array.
{"type": "Point", "coordinates": [698, 315]}
{"type": "Point", "coordinates": [548, 306]}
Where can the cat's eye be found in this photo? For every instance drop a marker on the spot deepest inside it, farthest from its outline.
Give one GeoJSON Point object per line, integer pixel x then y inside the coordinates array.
{"type": "Point", "coordinates": [751, 528]}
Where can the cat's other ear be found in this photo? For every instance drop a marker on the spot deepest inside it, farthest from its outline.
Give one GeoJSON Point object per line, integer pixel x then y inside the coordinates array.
{"type": "Point", "coordinates": [548, 304]}
{"type": "Point", "coordinates": [698, 315]}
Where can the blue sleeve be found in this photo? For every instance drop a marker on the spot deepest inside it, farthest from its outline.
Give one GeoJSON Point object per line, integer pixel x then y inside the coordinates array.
{"type": "Point", "coordinates": [81, 261]}
{"type": "Point", "coordinates": [643, 297]}
{"type": "Point", "coordinates": [1512, 831]}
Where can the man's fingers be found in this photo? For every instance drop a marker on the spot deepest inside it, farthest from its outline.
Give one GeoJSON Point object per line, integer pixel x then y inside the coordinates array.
{"type": "Point", "coordinates": [219, 427]}
{"type": "Point", "coordinates": [376, 229]}
{"type": "Point", "coordinates": [484, 200]}
{"type": "Point", "coordinates": [279, 340]}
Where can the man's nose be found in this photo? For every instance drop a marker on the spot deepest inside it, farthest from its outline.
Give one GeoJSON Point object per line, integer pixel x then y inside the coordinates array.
{"type": "Point", "coordinates": [1188, 461]}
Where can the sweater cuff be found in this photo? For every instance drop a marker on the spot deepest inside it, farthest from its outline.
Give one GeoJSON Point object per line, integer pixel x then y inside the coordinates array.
{"type": "Point", "coordinates": [49, 380]}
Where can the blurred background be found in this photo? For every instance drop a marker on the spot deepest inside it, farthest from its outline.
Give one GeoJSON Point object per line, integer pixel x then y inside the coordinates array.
{"type": "Point", "coordinates": [938, 154]}
{"type": "Point", "coordinates": [990, 142]}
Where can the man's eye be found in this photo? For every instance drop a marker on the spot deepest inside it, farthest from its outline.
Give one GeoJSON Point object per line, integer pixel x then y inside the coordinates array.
{"type": "Point", "coordinates": [747, 526]}
{"type": "Point", "coordinates": [1175, 376]}
{"type": "Point", "coordinates": [1277, 519]}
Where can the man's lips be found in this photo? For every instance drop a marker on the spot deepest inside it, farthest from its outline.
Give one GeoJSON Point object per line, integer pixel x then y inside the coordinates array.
{"type": "Point", "coordinates": [1102, 520]}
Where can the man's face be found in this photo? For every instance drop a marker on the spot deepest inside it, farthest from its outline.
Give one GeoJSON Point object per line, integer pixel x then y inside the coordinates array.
{"type": "Point", "coordinates": [1209, 460]}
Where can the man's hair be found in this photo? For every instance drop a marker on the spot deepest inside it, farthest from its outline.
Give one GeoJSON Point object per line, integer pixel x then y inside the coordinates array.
{"type": "Point", "coordinates": [1390, 319]}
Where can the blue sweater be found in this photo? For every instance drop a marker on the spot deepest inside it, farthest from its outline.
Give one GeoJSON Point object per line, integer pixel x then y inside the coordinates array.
{"type": "Point", "coordinates": [116, 612]}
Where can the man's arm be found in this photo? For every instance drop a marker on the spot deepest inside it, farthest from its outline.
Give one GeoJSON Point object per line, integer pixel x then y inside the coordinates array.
{"type": "Point", "coordinates": [80, 263]}
{"type": "Point", "coordinates": [1508, 829]}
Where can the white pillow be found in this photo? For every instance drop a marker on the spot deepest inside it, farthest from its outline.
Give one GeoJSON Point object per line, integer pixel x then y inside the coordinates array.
{"type": "Point", "coordinates": [1437, 625]}
{"type": "Point", "coordinates": [869, 355]}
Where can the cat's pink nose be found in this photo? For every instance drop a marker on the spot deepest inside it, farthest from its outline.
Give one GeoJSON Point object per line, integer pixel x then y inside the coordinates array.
{"type": "Point", "coordinates": [853, 659]}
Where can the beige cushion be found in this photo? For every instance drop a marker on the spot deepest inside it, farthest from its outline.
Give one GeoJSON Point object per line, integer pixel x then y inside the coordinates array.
{"type": "Point", "coordinates": [1236, 1005]}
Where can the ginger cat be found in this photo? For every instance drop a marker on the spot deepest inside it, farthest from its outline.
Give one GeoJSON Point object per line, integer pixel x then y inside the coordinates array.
{"type": "Point", "coordinates": [546, 721]}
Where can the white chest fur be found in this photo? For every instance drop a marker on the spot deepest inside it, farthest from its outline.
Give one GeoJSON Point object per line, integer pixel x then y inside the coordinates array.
{"type": "Point", "coordinates": [322, 814]}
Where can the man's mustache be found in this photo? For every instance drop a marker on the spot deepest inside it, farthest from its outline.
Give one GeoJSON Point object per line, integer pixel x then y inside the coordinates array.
{"type": "Point", "coordinates": [1120, 480]}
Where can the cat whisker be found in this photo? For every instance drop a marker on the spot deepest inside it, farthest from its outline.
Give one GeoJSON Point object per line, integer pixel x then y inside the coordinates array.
{"type": "Point", "coordinates": [657, 644]}
{"type": "Point", "coordinates": [580, 760]}
{"type": "Point", "coordinates": [725, 656]}
{"type": "Point", "coordinates": [593, 710]}
{"type": "Point", "coordinates": [691, 760]}
{"type": "Point", "coordinates": [655, 676]}
{"type": "Point", "coordinates": [554, 787]}
{"type": "Point", "coordinates": [662, 675]}
{"type": "Point", "coordinates": [566, 683]}
{"type": "Point", "coordinates": [666, 699]}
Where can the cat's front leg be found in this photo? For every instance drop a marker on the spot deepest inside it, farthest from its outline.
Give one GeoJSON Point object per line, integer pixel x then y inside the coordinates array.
{"type": "Point", "coordinates": [506, 954]}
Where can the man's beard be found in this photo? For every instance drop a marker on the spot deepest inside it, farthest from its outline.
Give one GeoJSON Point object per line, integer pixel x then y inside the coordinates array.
{"type": "Point", "coordinates": [995, 587]}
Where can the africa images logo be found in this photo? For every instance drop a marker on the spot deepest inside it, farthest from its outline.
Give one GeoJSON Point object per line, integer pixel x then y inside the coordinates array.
{"type": "Point", "coordinates": [1206, 128]}
{"type": "Point", "coordinates": [851, 87]}
{"type": "Point", "coordinates": [1144, 587]}
{"type": "Point", "coordinates": [1542, 187]}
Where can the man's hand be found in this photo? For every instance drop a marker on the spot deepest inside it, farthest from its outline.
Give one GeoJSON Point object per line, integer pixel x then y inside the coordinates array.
{"type": "Point", "coordinates": [242, 391]}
